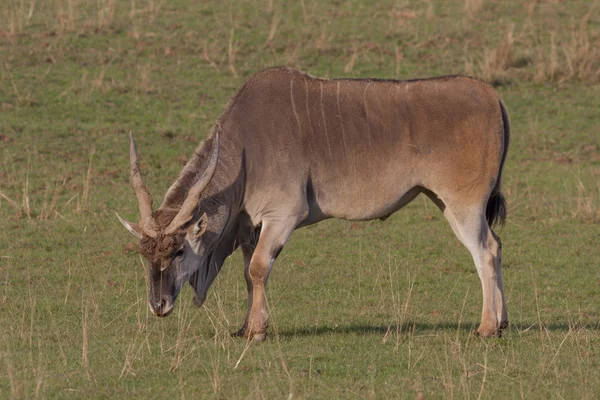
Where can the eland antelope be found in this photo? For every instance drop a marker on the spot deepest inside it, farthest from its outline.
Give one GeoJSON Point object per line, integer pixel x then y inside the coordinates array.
{"type": "Point", "coordinates": [291, 150]}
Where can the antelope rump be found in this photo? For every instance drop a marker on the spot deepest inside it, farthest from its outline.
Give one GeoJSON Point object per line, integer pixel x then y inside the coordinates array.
{"type": "Point", "coordinates": [291, 150]}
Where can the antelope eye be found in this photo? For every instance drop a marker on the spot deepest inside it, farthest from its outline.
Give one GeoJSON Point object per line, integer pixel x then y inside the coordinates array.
{"type": "Point", "coordinates": [179, 252]}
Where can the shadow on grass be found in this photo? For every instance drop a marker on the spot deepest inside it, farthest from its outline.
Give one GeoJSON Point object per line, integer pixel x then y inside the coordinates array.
{"type": "Point", "coordinates": [423, 328]}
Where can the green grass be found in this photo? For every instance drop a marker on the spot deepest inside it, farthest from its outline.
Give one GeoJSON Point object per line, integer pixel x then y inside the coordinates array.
{"type": "Point", "coordinates": [368, 310]}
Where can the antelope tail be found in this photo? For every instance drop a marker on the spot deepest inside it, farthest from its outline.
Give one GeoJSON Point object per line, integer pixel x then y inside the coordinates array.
{"type": "Point", "coordinates": [496, 209]}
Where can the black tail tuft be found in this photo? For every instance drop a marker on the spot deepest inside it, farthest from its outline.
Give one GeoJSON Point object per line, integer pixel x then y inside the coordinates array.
{"type": "Point", "coordinates": [495, 211]}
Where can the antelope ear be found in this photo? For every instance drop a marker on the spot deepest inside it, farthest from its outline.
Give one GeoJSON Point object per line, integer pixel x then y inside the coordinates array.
{"type": "Point", "coordinates": [197, 229]}
{"type": "Point", "coordinates": [132, 227]}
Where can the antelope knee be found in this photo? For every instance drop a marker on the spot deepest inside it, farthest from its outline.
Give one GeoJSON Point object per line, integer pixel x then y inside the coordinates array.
{"type": "Point", "coordinates": [260, 268]}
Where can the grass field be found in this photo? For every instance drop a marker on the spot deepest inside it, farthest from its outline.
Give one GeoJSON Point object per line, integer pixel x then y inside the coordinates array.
{"type": "Point", "coordinates": [357, 310]}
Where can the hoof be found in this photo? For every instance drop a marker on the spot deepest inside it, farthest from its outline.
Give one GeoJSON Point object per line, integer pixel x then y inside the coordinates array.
{"type": "Point", "coordinates": [239, 333]}
{"type": "Point", "coordinates": [486, 332]}
{"type": "Point", "coordinates": [257, 336]}
{"type": "Point", "coordinates": [503, 325]}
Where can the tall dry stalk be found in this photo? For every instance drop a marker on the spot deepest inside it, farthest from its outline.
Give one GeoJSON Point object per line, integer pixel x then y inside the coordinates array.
{"type": "Point", "coordinates": [350, 64]}
{"type": "Point", "coordinates": [67, 15]}
{"type": "Point", "coordinates": [12, 82]}
{"type": "Point", "coordinates": [231, 52]}
{"type": "Point", "coordinates": [12, 203]}
{"type": "Point", "coordinates": [50, 210]}
{"type": "Point", "coordinates": [85, 336]}
{"type": "Point", "coordinates": [83, 205]}
{"type": "Point", "coordinates": [275, 21]}
{"type": "Point", "coordinates": [546, 63]}
{"type": "Point", "coordinates": [16, 16]}
{"type": "Point", "coordinates": [10, 369]}
{"type": "Point", "coordinates": [39, 372]}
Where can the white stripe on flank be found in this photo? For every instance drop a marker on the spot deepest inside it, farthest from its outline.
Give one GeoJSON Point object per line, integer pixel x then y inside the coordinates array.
{"type": "Point", "coordinates": [341, 121]}
{"type": "Point", "coordinates": [312, 140]}
{"type": "Point", "coordinates": [307, 110]}
{"type": "Point", "coordinates": [324, 121]}
{"type": "Point", "coordinates": [294, 105]}
{"type": "Point", "coordinates": [367, 112]}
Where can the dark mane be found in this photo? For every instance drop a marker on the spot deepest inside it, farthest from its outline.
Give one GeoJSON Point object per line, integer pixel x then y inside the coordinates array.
{"type": "Point", "coordinates": [190, 173]}
{"type": "Point", "coordinates": [197, 163]}
{"type": "Point", "coordinates": [383, 80]}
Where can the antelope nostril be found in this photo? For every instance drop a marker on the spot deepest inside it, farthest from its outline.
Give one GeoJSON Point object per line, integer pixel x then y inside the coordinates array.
{"type": "Point", "coordinates": [159, 305]}
{"type": "Point", "coordinates": [162, 306]}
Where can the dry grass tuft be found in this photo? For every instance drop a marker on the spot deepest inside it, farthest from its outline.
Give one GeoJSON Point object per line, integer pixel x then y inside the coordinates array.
{"type": "Point", "coordinates": [16, 17]}
{"type": "Point", "coordinates": [573, 59]}
{"type": "Point", "coordinates": [581, 56]}
{"type": "Point", "coordinates": [585, 205]}
{"type": "Point", "coordinates": [496, 62]}
{"type": "Point", "coordinates": [557, 57]}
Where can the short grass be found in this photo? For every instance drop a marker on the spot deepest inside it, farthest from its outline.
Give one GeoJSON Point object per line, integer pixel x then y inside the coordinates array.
{"type": "Point", "coordinates": [358, 310]}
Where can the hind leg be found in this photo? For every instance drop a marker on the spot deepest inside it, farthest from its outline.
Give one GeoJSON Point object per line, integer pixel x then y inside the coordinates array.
{"type": "Point", "coordinates": [473, 231]}
{"type": "Point", "coordinates": [471, 227]}
{"type": "Point", "coordinates": [501, 299]}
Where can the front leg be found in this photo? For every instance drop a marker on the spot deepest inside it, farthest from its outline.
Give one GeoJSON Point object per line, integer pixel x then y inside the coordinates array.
{"type": "Point", "coordinates": [248, 251]}
{"type": "Point", "coordinates": [274, 234]}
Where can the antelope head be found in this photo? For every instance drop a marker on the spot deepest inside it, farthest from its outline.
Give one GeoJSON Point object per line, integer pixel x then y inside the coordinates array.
{"type": "Point", "coordinates": [171, 239]}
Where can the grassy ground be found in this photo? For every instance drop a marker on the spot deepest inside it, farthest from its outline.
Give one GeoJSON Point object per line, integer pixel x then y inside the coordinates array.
{"type": "Point", "coordinates": [378, 309]}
